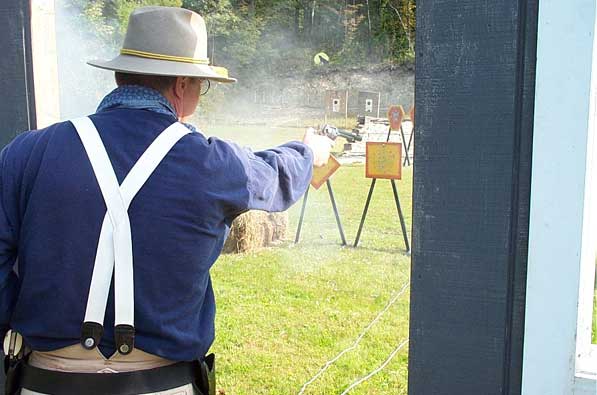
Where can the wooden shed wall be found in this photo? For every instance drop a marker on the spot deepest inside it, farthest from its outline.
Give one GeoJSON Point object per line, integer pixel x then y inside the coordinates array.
{"type": "Point", "coordinates": [475, 68]}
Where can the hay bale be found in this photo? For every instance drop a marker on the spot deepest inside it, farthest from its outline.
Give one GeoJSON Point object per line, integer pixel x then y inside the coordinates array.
{"type": "Point", "coordinates": [254, 230]}
{"type": "Point", "coordinates": [279, 222]}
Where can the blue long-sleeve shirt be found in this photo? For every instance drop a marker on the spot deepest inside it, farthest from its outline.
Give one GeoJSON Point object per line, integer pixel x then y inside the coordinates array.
{"type": "Point", "coordinates": [51, 211]}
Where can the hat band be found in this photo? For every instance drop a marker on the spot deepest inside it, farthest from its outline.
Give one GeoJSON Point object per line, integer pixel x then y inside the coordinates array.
{"type": "Point", "coordinates": [151, 55]}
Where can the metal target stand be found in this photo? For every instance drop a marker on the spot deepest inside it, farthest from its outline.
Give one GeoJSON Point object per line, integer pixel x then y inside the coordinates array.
{"type": "Point", "coordinates": [407, 160]}
{"type": "Point", "coordinates": [396, 199]}
{"type": "Point", "coordinates": [406, 146]}
{"type": "Point", "coordinates": [334, 207]}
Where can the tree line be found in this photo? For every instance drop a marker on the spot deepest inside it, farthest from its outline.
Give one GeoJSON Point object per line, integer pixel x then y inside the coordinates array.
{"type": "Point", "coordinates": [261, 38]}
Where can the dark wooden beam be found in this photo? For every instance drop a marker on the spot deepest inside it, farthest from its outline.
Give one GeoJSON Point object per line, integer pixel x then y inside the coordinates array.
{"type": "Point", "coordinates": [17, 107]}
{"type": "Point", "coordinates": [474, 94]}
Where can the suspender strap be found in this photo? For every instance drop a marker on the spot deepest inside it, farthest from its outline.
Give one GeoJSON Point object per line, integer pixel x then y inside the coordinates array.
{"type": "Point", "coordinates": [114, 252]}
{"type": "Point", "coordinates": [121, 243]}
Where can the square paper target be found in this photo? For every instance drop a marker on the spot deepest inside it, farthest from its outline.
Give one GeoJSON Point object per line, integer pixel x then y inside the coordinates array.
{"type": "Point", "coordinates": [383, 160]}
{"type": "Point", "coordinates": [321, 174]}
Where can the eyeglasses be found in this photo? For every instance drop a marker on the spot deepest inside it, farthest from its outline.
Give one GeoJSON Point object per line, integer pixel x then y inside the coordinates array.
{"type": "Point", "coordinates": [204, 89]}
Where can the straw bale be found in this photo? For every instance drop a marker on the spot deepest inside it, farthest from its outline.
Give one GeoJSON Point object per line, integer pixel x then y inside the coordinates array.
{"type": "Point", "coordinates": [254, 230]}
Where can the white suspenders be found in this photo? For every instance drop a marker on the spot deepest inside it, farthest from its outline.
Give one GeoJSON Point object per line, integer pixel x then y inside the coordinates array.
{"type": "Point", "coordinates": [115, 249]}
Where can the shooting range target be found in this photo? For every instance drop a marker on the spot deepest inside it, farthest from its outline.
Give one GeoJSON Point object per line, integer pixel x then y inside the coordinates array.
{"type": "Point", "coordinates": [395, 115]}
{"type": "Point", "coordinates": [321, 58]}
{"type": "Point", "coordinates": [321, 174]}
{"type": "Point", "coordinates": [383, 160]}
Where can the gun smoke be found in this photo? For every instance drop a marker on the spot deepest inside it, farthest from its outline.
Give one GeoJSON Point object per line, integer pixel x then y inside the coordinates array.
{"type": "Point", "coordinates": [276, 106]}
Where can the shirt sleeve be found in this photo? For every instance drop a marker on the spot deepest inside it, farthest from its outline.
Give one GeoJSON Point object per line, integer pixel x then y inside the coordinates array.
{"type": "Point", "coordinates": [8, 245]}
{"type": "Point", "coordinates": [277, 177]}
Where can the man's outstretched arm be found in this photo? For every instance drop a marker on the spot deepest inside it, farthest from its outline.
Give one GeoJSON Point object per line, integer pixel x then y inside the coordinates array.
{"type": "Point", "coordinates": [276, 178]}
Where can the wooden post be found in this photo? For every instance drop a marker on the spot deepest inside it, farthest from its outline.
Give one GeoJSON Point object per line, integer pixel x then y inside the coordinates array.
{"type": "Point", "coordinates": [45, 62]}
{"type": "Point", "coordinates": [378, 103]}
{"type": "Point", "coordinates": [471, 195]}
{"type": "Point", "coordinates": [17, 107]}
{"type": "Point", "coordinates": [346, 110]}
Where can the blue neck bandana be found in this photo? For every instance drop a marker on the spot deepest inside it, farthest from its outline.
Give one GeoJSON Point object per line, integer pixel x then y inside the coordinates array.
{"type": "Point", "coordinates": [140, 98]}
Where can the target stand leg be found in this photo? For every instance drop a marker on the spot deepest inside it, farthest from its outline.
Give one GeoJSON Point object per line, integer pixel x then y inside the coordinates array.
{"type": "Point", "coordinates": [356, 241]}
{"type": "Point", "coordinates": [408, 145]}
{"type": "Point", "coordinates": [406, 158]}
{"type": "Point", "coordinates": [300, 224]}
{"type": "Point", "coordinates": [331, 192]}
{"type": "Point", "coordinates": [402, 224]}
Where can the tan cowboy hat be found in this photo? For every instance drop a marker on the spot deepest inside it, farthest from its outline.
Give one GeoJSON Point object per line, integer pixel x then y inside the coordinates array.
{"type": "Point", "coordinates": [166, 41]}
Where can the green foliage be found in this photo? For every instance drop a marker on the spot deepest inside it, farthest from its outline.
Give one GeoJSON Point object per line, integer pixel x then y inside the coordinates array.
{"type": "Point", "coordinates": [109, 18]}
{"type": "Point", "coordinates": [257, 38]}
{"type": "Point", "coordinates": [123, 8]}
{"type": "Point", "coordinates": [221, 14]}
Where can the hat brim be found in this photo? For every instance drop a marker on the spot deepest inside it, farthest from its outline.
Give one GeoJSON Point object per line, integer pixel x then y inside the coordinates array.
{"type": "Point", "coordinates": [139, 65]}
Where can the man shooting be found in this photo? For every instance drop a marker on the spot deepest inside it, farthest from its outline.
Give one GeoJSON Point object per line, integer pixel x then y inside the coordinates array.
{"type": "Point", "coordinates": [116, 218]}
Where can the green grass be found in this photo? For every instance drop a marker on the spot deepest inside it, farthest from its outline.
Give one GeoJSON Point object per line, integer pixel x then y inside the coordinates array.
{"type": "Point", "coordinates": [285, 311]}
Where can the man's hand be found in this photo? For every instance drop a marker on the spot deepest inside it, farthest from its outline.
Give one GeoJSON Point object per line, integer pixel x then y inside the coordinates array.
{"type": "Point", "coordinates": [320, 145]}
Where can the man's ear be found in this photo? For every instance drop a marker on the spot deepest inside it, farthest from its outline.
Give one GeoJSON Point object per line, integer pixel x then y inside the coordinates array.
{"type": "Point", "coordinates": [179, 86]}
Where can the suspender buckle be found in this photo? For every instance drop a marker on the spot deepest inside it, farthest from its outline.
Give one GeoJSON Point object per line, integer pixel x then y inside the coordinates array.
{"type": "Point", "coordinates": [124, 336]}
{"type": "Point", "coordinates": [91, 334]}
{"type": "Point", "coordinates": [13, 345]}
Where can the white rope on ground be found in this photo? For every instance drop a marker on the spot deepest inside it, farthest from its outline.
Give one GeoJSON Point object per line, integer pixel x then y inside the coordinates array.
{"type": "Point", "coordinates": [373, 373]}
{"type": "Point", "coordinates": [356, 343]}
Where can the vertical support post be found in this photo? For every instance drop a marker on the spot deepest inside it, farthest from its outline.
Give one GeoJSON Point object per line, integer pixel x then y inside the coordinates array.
{"type": "Point", "coordinates": [346, 110]}
{"type": "Point", "coordinates": [486, 167]}
{"type": "Point", "coordinates": [331, 192]}
{"type": "Point", "coordinates": [17, 107]}
{"type": "Point", "coordinates": [300, 224]}
{"type": "Point", "coordinates": [378, 103]}
{"type": "Point", "coordinates": [400, 215]}
{"type": "Point", "coordinates": [45, 61]}
{"type": "Point", "coordinates": [356, 241]}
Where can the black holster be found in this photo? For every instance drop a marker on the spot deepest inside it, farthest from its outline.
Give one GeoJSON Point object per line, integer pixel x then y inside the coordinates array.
{"type": "Point", "coordinates": [13, 370]}
{"type": "Point", "coordinates": [206, 375]}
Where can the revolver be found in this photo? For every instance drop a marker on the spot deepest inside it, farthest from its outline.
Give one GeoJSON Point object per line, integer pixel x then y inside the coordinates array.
{"type": "Point", "coordinates": [333, 133]}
